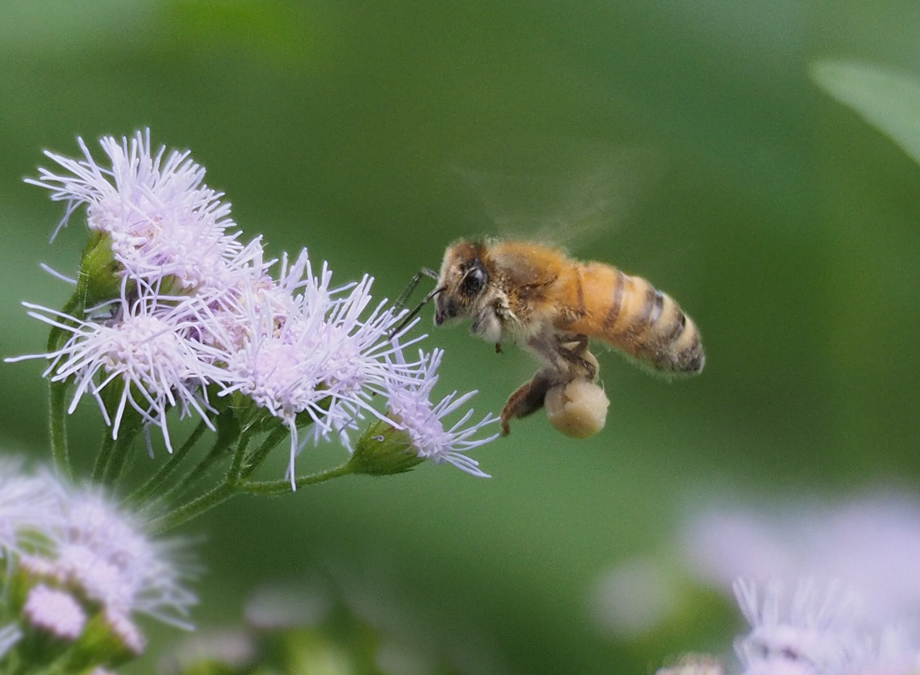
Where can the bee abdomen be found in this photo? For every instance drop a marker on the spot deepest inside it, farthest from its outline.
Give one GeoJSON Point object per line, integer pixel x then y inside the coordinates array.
{"type": "Point", "coordinates": [633, 316]}
{"type": "Point", "coordinates": [652, 327]}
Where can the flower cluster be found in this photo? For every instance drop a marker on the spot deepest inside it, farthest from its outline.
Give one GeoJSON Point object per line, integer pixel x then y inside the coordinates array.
{"type": "Point", "coordinates": [817, 629]}
{"type": "Point", "coordinates": [172, 312]}
{"type": "Point", "coordinates": [75, 573]}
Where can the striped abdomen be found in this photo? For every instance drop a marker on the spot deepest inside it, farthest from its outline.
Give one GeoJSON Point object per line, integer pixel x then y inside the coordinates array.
{"type": "Point", "coordinates": [628, 313]}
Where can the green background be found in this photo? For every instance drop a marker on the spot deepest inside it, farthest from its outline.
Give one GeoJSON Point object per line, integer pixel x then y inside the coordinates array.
{"type": "Point", "coordinates": [785, 225]}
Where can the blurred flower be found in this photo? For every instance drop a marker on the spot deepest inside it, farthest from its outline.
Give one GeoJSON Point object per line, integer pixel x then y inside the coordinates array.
{"type": "Point", "coordinates": [817, 631]}
{"type": "Point", "coordinates": [55, 611]}
{"type": "Point", "coordinates": [693, 664]}
{"type": "Point", "coordinates": [82, 566]}
{"type": "Point", "coordinates": [814, 630]}
{"type": "Point", "coordinates": [870, 544]}
{"type": "Point", "coordinates": [25, 499]}
{"type": "Point", "coordinates": [288, 606]}
{"type": "Point", "coordinates": [633, 598]}
{"type": "Point", "coordinates": [223, 651]}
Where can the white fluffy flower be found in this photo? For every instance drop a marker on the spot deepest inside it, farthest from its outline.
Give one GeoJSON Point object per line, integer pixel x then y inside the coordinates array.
{"type": "Point", "coordinates": [147, 344]}
{"type": "Point", "coordinates": [159, 216]}
{"type": "Point", "coordinates": [186, 308]}
{"type": "Point", "coordinates": [299, 348]}
{"type": "Point", "coordinates": [815, 632]}
{"type": "Point", "coordinates": [24, 499]}
{"type": "Point", "coordinates": [410, 406]}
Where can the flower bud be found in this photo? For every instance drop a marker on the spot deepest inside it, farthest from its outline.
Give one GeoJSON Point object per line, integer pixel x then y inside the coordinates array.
{"type": "Point", "coordinates": [55, 612]}
{"type": "Point", "coordinates": [384, 450]}
{"type": "Point", "coordinates": [577, 408]}
{"type": "Point", "coordinates": [100, 274]}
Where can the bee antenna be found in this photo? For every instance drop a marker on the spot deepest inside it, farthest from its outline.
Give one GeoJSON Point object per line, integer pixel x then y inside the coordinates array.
{"type": "Point", "coordinates": [400, 303]}
{"type": "Point", "coordinates": [404, 296]}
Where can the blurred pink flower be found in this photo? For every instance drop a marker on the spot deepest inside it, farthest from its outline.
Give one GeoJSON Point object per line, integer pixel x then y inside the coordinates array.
{"type": "Point", "coordinates": [871, 544]}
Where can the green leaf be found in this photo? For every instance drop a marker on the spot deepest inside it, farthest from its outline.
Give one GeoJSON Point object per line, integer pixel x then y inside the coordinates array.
{"type": "Point", "coordinates": [888, 99]}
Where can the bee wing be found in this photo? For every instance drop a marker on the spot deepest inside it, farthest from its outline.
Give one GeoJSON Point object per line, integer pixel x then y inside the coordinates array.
{"type": "Point", "coordinates": [562, 191]}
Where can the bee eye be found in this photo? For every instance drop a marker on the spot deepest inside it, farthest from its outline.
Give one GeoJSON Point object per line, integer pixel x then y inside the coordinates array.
{"type": "Point", "coordinates": [475, 279]}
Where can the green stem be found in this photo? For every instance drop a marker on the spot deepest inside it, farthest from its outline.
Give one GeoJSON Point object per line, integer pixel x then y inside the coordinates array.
{"type": "Point", "coordinates": [160, 477]}
{"type": "Point", "coordinates": [273, 488]}
{"type": "Point", "coordinates": [227, 432]}
{"type": "Point", "coordinates": [194, 508]}
{"type": "Point", "coordinates": [102, 459]}
{"type": "Point", "coordinates": [233, 473]}
{"type": "Point", "coordinates": [57, 428]}
{"type": "Point", "coordinates": [57, 393]}
{"type": "Point", "coordinates": [116, 463]}
{"type": "Point", "coordinates": [254, 460]}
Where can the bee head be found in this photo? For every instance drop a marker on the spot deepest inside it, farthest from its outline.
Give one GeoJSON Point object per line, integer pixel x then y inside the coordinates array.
{"type": "Point", "coordinates": [463, 279]}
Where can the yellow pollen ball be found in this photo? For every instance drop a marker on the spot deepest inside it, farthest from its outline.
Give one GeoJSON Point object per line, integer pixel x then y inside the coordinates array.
{"type": "Point", "coordinates": [578, 408]}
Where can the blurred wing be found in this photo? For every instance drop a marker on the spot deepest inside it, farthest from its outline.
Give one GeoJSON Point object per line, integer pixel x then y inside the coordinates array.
{"type": "Point", "coordinates": [561, 191]}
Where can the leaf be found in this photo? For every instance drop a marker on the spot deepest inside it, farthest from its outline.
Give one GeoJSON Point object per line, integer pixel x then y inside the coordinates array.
{"type": "Point", "coordinates": [888, 99]}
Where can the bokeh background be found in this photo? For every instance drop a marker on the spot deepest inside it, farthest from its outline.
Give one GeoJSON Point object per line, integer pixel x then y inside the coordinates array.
{"type": "Point", "coordinates": [786, 226]}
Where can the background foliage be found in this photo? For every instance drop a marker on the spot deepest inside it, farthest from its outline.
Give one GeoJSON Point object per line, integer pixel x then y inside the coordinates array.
{"type": "Point", "coordinates": [785, 225]}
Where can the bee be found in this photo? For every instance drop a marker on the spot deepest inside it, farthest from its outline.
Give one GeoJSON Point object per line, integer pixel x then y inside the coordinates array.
{"type": "Point", "coordinates": [535, 296]}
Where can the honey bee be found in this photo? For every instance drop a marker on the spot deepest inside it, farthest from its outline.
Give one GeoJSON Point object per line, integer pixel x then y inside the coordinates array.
{"type": "Point", "coordinates": [536, 296]}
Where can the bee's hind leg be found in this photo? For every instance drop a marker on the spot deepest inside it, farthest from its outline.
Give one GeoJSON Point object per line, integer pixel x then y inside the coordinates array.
{"type": "Point", "coordinates": [527, 400]}
{"type": "Point", "coordinates": [573, 348]}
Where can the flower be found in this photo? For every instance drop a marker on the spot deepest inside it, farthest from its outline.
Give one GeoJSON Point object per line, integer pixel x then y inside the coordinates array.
{"type": "Point", "coordinates": [172, 312]}
{"type": "Point", "coordinates": [146, 345]}
{"type": "Point", "coordinates": [818, 631]}
{"type": "Point", "coordinates": [816, 634]}
{"type": "Point", "coordinates": [299, 348]}
{"type": "Point", "coordinates": [154, 209]}
{"type": "Point", "coordinates": [632, 599]}
{"type": "Point", "coordinates": [869, 543]}
{"type": "Point", "coordinates": [55, 611]}
{"type": "Point", "coordinates": [24, 499]}
{"type": "Point", "coordinates": [79, 547]}
{"type": "Point", "coordinates": [410, 407]}
{"type": "Point", "coordinates": [693, 664]}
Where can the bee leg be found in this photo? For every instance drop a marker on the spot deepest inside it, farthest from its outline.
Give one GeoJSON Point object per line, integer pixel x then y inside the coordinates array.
{"type": "Point", "coordinates": [574, 349]}
{"type": "Point", "coordinates": [527, 400]}
{"type": "Point", "coordinates": [498, 347]}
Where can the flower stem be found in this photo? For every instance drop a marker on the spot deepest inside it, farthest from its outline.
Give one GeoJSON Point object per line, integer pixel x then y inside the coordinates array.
{"type": "Point", "coordinates": [57, 423]}
{"type": "Point", "coordinates": [273, 488]}
{"type": "Point", "coordinates": [160, 477]}
{"type": "Point", "coordinates": [194, 508]}
{"type": "Point", "coordinates": [116, 463]}
{"type": "Point", "coordinates": [102, 459]}
{"type": "Point", "coordinates": [252, 462]}
{"type": "Point", "coordinates": [57, 429]}
{"type": "Point", "coordinates": [227, 432]}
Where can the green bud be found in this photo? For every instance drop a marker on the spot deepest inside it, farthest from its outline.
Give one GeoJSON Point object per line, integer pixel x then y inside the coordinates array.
{"type": "Point", "coordinates": [384, 450]}
{"type": "Point", "coordinates": [100, 275]}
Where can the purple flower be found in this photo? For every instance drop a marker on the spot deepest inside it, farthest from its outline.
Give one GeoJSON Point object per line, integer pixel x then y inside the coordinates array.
{"type": "Point", "coordinates": [410, 406]}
